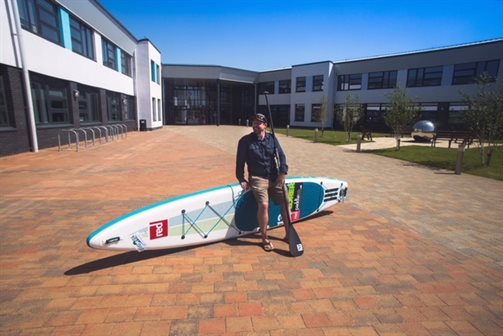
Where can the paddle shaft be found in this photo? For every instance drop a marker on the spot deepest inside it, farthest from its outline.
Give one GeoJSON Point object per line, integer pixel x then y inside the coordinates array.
{"type": "Point", "coordinates": [294, 242]}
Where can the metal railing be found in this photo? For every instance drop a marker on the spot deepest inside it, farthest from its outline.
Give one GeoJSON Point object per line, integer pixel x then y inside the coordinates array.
{"type": "Point", "coordinates": [89, 134]}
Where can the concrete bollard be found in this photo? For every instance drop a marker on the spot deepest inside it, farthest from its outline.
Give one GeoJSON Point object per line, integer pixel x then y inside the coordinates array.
{"type": "Point", "coordinates": [287, 129]}
{"type": "Point", "coordinates": [359, 144]}
{"type": "Point", "coordinates": [315, 135]}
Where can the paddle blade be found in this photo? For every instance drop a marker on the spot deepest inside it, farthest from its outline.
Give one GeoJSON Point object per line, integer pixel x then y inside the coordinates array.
{"type": "Point", "coordinates": [296, 247]}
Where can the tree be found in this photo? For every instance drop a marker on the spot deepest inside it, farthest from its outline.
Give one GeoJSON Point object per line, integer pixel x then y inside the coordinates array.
{"type": "Point", "coordinates": [350, 113]}
{"type": "Point", "coordinates": [484, 116]}
{"type": "Point", "coordinates": [323, 114]}
{"type": "Point", "coordinates": [401, 113]}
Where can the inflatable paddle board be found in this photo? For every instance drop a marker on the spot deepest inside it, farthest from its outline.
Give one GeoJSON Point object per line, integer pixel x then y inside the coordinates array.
{"type": "Point", "coordinates": [212, 215]}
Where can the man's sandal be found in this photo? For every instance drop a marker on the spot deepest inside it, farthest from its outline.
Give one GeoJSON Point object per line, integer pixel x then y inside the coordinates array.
{"type": "Point", "coordinates": [267, 246]}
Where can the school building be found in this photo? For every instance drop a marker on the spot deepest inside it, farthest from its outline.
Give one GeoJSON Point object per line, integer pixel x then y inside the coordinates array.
{"type": "Point", "coordinates": [69, 65]}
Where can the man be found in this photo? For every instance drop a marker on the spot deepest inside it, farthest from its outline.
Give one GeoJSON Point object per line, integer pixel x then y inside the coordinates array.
{"type": "Point", "coordinates": [266, 177]}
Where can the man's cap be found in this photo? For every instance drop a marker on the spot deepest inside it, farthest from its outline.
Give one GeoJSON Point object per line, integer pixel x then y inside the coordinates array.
{"type": "Point", "coordinates": [260, 117]}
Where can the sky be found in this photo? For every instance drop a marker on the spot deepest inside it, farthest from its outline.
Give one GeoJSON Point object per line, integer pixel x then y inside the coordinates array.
{"type": "Point", "coordinates": [262, 35]}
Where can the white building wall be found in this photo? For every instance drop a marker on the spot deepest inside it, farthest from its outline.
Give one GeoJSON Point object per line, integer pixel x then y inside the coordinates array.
{"type": "Point", "coordinates": [71, 66]}
{"type": "Point", "coordinates": [50, 59]}
{"type": "Point", "coordinates": [8, 45]}
{"type": "Point", "coordinates": [148, 93]}
{"type": "Point", "coordinates": [447, 58]}
{"type": "Point", "coordinates": [309, 97]}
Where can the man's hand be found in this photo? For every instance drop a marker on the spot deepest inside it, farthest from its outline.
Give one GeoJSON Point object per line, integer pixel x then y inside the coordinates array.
{"type": "Point", "coordinates": [245, 185]}
{"type": "Point", "coordinates": [281, 180]}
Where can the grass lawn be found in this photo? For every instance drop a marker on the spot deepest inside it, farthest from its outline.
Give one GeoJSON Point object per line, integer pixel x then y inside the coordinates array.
{"type": "Point", "coordinates": [446, 158]}
{"type": "Point", "coordinates": [434, 157]}
{"type": "Point", "coordinates": [329, 137]}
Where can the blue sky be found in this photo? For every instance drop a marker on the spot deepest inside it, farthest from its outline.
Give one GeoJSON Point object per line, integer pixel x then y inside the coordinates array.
{"type": "Point", "coordinates": [263, 35]}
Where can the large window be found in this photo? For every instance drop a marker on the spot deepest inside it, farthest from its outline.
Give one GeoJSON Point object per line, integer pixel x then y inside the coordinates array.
{"type": "Point", "coordinates": [154, 114]}
{"type": "Point", "coordinates": [285, 86]}
{"type": "Point", "coordinates": [349, 82]}
{"type": "Point", "coordinates": [6, 119]}
{"type": "Point", "coordinates": [382, 80]}
{"type": "Point", "coordinates": [316, 112]}
{"type": "Point", "coordinates": [113, 106]}
{"type": "Point", "coordinates": [467, 73]}
{"type": "Point", "coordinates": [266, 86]}
{"type": "Point", "coordinates": [50, 101]}
{"type": "Point", "coordinates": [155, 72]}
{"type": "Point", "coordinates": [429, 111]}
{"type": "Point", "coordinates": [88, 105]}
{"type": "Point", "coordinates": [42, 18]}
{"type": "Point", "coordinates": [300, 84]}
{"type": "Point", "coordinates": [318, 83]}
{"type": "Point", "coordinates": [82, 38]}
{"type": "Point", "coordinates": [431, 76]}
{"type": "Point", "coordinates": [126, 63]}
{"type": "Point", "coordinates": [457, 114]}
{"type": "Point", "coordinates": [299, 112]}
{"type": "Point", "coordinates": [128, 107]}
{"type": "Point", "coordinates": [109, 54]}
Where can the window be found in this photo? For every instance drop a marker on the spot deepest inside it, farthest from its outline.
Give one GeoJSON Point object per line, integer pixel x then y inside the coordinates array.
{"type": "Point", "coordinates": [299, 112]}
{"type": "Point", "coordinates": [429, 111]}
{"type": "Point", "coordinates": [382, 80]}
{"type": "Point", "coordinates": [157, 74]}
{"type": "Point", "coordinates": [285, 86]}
{"type": "Point", "coordinates": [113, 106]}
{"type": "Point", "coordinates": [128, 107]}
{"type": "Point", "coordinates": [318, 83]}
{"type": "Point", "coordinates": [88, 105]}
{"type": "Point", "coordinates": [154, 68]}
{"type": "Point", "coordinates": [431, 76]}
{"type": "Point", "coordinates": [50, 101]}
{"type": "Point", "coordinates": [316, 112]}
{"type": "Point", "coordinates": [159, 112]}
{"type": "Point", "coordinates": [266, 86]}
{"type": "Point", "coordinates": [126, 63]}
{"type": "Point", "coordinates": [349, 82]}
{"type": "Point", "coordinates": [374, 114]}
{"type": "Point", "coordinates": [154, 115]}
{"type": "Point", "coordinates": [467, 73]}
{"type": "Point", "coordinates": [42, 18]}
{"type": "Point", "coordinates": [457, 113]}
{"type": "Point", "coordinates": [6, 119]}
{"type": "Point", "coordinates": [300, 84]}
{"type": "Point", "coordinates": [82, 38]}
{"type": "Point", "coordinates": [109, 54]}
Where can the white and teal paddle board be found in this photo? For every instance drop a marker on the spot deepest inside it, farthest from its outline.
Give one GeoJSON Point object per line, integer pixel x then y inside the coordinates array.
{"type": "Point", "coordinates": [212, 215]}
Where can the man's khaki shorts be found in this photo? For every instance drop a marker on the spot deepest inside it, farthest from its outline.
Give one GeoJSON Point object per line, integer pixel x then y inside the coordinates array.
{"type": "Point", "coordinates": [263, 188]}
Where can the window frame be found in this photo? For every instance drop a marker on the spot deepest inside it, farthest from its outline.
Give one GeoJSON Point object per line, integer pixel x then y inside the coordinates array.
{"type": "Point", "coordinates": [382, 80]}
{"type": "Point", "coordinates": [318, 81]}
{"type": "Point", "coordinates": [285, 86]}
{"type": "Point", "coordinates": [300, 84]}
{"type": "Point", "coordinates": [427, 76]}
{"type": "Point", "coordinates": [33, 15]}
{"type": "Point", "coordinates": [467, 73]}
{"type": "Point", "coordinates": [109, 53]}
{"type": "Point", "coordinates": [81, 34]}
{"type": "Point", "coordinates": [300, 108]}
{"type": "Point", "coordinates": [347, 82]}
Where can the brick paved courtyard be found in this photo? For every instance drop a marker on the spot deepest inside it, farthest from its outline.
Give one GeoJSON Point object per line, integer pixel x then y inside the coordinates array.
{"type": "Point", "coordinates": [413, 251]}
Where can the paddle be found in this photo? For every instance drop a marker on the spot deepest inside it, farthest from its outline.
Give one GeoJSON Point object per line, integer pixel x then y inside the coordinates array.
{"type": "Point", "coordinates": [294, 242]}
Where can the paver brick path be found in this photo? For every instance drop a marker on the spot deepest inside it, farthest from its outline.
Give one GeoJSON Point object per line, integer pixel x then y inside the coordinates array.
{"type": "Point", "coordinates": [413, 251]}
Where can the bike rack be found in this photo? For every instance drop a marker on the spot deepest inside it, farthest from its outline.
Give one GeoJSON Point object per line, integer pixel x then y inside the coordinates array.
{"type": "Point", "coordinates": [108, 131]}
{"type": "Point", "coordinates": [69, 131]}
